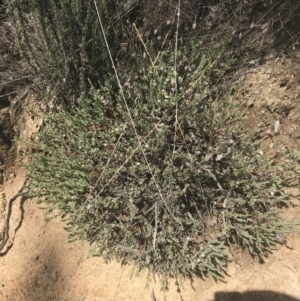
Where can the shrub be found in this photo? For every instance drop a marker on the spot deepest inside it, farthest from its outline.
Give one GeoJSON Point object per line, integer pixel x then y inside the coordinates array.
{"type": "Point", "coordinates": [172, 192]}
{"type": "Point", "coordinates": [61, 44]}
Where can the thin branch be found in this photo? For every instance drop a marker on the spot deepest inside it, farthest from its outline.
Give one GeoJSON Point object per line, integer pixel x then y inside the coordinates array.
{"type": "Point", "coordinates": [15, 80]}
{"type": "Point", "coordinates": [152, 63]}
{"type": "Point", "coordinates": [155, 230]}
{"type": "Point", "coordinates": [134, 252]}
{"type": "Point", "coordinates": [175, 77]}
{"type": "Point", "coordinates": [213, 176]}
{"type": "Point", "coordinates": [129, 114]}
{"type": "Point", "coordinates": [113, 152]}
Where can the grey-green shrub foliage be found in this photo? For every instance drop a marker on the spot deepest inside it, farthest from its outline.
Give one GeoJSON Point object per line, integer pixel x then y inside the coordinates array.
{"type": "Point", "coordinates": [200, 185]}
{"type": "Point", "coordinates": [62, 43]}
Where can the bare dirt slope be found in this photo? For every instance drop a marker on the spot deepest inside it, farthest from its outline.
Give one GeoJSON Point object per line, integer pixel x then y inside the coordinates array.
{"type": "Point", "coordinates": [38, 263]}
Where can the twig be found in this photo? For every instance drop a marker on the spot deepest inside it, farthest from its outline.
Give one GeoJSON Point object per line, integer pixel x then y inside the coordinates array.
{"type": "Point", "coordinates": [153, 295]}
{"type": "Point", "coordinates": [21, 192]}
{"type": "Point", "coordinates": [155, 230]}
{"type": "Point", "coordinates": [175, 76]}
{"type": "Point", "coordinates": [144, 45]}
{"type": "Point", "coordinates": [205, 202]}
{"type": "Point", "coordinates": [15, 80]}
{"type": "Point", "coordinates": [135, 252]}
{"type": "Point", "coordinates": [106, 164]}
{"type": "Point", "coordinates": [129, 114]}
{"type": "Point", "coordinates": [176, 89]}
{"type": "Point", "coordinates": [213, 176]}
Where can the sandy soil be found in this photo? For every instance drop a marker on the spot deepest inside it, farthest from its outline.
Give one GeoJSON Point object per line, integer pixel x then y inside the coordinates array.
{"type": "Point", "coordinates": [38, 263]}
